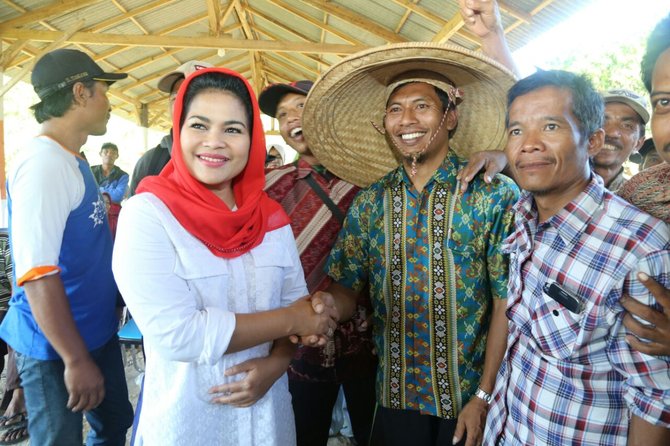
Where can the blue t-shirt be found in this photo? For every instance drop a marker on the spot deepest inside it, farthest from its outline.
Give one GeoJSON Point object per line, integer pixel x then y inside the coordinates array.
{"type": "Point", "coordinates": [58, 225]}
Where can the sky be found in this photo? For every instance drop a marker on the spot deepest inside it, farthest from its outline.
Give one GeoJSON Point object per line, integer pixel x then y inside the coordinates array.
{"type": "Point", "coordinates": [600, 26]}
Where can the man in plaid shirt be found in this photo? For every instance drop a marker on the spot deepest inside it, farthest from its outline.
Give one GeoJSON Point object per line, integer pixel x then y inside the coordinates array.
{"type": "Point", "coordinates": [568, 375]}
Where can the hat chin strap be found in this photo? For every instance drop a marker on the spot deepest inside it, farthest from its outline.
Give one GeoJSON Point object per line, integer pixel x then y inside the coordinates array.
{"type": "Point", "coordinates": [415, 156]}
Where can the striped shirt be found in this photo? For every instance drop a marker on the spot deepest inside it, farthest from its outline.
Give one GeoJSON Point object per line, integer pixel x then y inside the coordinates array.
{"type": "Point", "coordinates": [315, 229]}
{"type": "Point", "coordinates": [568, 376]}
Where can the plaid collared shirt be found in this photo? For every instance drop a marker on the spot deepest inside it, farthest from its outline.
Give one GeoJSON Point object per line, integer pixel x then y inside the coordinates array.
{"type": "Point", "coordinates": [569, 377]}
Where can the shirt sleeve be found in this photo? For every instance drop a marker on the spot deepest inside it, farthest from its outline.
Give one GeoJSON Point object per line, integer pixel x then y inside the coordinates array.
{"type": "Point", "coordinates": [647, 378]}
{"type": "Point", "coordinates": [166, 308]}
{"type": "Point", "coordinates": [44, 189]}
{"type": "Point", "coordinates": [501, 218]}
{"type": "Point", "coordinates": [116, 189]}
{"type": "Point", "coordinates": [348, 259]}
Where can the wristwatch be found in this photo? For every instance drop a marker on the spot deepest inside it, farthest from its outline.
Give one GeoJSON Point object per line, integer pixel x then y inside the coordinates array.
{"type": "Point", "coordinates": [483, 395]}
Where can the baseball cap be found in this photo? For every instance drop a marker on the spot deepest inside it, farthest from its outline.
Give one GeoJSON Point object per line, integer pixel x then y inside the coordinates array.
{"type": "Point", "coordinates": [272, 94]}
{"type": "Point", "coordinates": [632, 99]}
{"type": "Point", "coordinates": [62, 68]}
{"type": "Point", "coordinates": [166, 82]}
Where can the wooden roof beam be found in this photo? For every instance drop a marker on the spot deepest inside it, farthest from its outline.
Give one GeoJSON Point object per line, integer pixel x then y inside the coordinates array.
{"type": "Point", "coordinates": [297, 71]}
{"type": "Point", "coordinates": [289, 30]}
{"type": "Point", "coordinates": [323, 25]}
{"type": "Point", "coordinates": [8, 55]}
{"type": "Point", "coordinates": [184, 42]}
{"type": "Point", "coordinates": [275, 37]}
{"type": "Point", "coordinates": [214, 17]}
{"type": "Point", "coordinates": [423, 12]}
{"type": "Point", "coordinates": [515, 12]}
{"type": "Point", "coordinates": [404, 18]}
{"type": "Point", "coordinates": [279, 76]}
{"type": "Point", "coordinates": [105, 24]}
{"type": "Point", "coordinates": [449, 29]}
{"type": "Point", "coordinates": [57, 8]}
{"type": "Point", "coordinates": [242, 17]}
{"type": "Point", "coordinates": [356, 19]}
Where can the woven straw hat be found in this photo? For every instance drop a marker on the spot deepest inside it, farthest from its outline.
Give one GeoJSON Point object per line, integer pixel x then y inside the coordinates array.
{"type": "Point", "coordinates": [351, 94]}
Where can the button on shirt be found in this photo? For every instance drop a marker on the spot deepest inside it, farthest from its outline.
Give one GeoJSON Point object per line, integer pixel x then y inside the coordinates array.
{"type": "Point", "coordinates": [568, 376]}
{"type": "Point", "coordinates": [433, 265]}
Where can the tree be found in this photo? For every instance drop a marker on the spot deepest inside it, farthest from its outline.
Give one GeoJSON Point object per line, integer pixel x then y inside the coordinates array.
{"type": "Point", "coordinates": [614, 68]}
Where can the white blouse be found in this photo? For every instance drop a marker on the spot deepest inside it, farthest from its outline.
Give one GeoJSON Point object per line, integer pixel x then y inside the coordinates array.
{"type": "Point", "coordinates": [184, 301]}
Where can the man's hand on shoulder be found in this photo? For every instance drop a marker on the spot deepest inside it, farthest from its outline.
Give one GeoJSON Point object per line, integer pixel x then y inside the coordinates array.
{"type": "Point", "coordinates": [658, 333]}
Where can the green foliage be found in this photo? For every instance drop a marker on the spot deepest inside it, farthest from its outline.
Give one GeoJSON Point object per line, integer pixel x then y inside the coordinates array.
{"type": "Point", "coordinates": [615, 68]}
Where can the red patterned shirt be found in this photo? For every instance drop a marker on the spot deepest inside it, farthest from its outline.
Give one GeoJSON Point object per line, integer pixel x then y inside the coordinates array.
{"type": "Point", "coordinates": [315, 229]}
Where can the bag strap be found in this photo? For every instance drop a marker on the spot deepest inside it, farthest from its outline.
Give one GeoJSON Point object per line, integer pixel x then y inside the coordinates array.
{"type": "Point", "coordinates": [337, 213]}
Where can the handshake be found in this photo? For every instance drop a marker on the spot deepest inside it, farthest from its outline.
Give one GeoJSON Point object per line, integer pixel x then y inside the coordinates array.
{"type": "Point", "coordinates": [316, 319]}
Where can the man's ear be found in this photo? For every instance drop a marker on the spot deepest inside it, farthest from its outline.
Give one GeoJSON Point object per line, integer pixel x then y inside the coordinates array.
{"type": "Point", "coordinates": [452, 119]}
{"type": "Point", "coordinates": [596, 141]}
{"type": "Point", "coordinates": [79, 94]}
{"type": "Point", "coordinates": [638, 144]}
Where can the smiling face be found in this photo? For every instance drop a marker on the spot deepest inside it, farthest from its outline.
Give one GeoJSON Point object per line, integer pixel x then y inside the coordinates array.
{"type": "Point", "coordinates": [215, 140]}
{"type": "Point", "coordinates": [546, 151]}
{"type": "Point", "coordinates": [622, 136]}
{"type": "Point", "coordinates": [660, 105]}
{"type": "Point", "coordinates": [289, 115]}
{"type": "Point", "coordinates": [413, 121]}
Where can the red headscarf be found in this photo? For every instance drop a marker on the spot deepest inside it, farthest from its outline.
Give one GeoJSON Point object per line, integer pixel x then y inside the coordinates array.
{"type": "Point", "coordinates": [203, 214]}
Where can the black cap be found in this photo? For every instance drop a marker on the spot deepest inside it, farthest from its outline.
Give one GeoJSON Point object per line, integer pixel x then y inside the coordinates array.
{"type": "Point", "coordinates": [62, 68]}
{"type": "Point", "coordinates": [272, 94]}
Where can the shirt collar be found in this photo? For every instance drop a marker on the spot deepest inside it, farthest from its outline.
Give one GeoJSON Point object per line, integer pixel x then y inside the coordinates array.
{"type": "Point", "coordinates": [445, 174]}
{"type": "Point", "coordinates": [570, 222]}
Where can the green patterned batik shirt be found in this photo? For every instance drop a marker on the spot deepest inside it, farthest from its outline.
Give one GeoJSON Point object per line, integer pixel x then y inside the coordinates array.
{"type": "Point", "coordinates": [433, 264]}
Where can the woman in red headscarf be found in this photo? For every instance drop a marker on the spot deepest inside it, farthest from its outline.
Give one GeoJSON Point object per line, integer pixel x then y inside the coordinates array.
{"type": "Point", "coordinates": [209, 269]}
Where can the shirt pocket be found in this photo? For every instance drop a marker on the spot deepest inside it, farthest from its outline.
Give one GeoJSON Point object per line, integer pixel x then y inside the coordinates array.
{"type": "Point", "coordinates": [206, 276]}
{"type": "Point", "coordinates": [271, 263]}
{"type": "Point", "coordinates": [555, 328]}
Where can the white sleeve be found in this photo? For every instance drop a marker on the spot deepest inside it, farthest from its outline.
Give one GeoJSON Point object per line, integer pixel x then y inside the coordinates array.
{"type": "Point", "coordinates": [44, 188]}
{"type": "Point", "coordinates": [165, 308]}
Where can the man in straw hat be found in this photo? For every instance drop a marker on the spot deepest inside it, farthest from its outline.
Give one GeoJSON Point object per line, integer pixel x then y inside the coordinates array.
{"type": "Point", "coordinates": [62, 321]}
{"type": "Point", "coordinates": [428, 254]}
{"type": "Point", "coordinates": [569, 376]}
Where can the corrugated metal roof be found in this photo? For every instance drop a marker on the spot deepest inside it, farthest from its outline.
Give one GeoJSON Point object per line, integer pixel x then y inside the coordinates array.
{"type": "Point", "coordinates": [294, 39]}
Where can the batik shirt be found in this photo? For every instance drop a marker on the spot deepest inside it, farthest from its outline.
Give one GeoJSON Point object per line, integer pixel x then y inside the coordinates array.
{"type": "Point", "coordinates": [568, 376]}
{"type": "Point", "coordinates": [433, 265]}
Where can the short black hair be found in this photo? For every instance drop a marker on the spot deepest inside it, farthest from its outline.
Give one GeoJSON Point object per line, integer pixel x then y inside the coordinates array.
{"type": "Point", "coordinates": [218, 81]}
{"type": "Point", "coordinates": [56, 104]}
{"type": "Point", "coordinates": [109, 146]}
{"type": "Point", "coordinates": [657, 43]}
{"type": "Point", "coordinates": [587, 104]}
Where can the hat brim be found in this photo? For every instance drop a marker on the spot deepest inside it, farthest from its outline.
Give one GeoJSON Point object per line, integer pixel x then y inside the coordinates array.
{"type": "Point", "coordinates": [110, 77]}
{"type": "Point", "coordinates": [270, 97]}
{"type": "Point", "coordinates": [167, 81]}
{"type": "Point", "coordinates": [636, 106]}
{"type": "Point", "coordinates": [346, 99]}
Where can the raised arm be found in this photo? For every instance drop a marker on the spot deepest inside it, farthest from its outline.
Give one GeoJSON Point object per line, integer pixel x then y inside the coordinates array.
{"type": "Point", "coordinates": [482, 18]}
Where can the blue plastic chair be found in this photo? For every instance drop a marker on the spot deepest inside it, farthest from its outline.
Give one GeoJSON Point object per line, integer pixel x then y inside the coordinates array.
{"type": "Point", "coordinates": [130, 339]}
